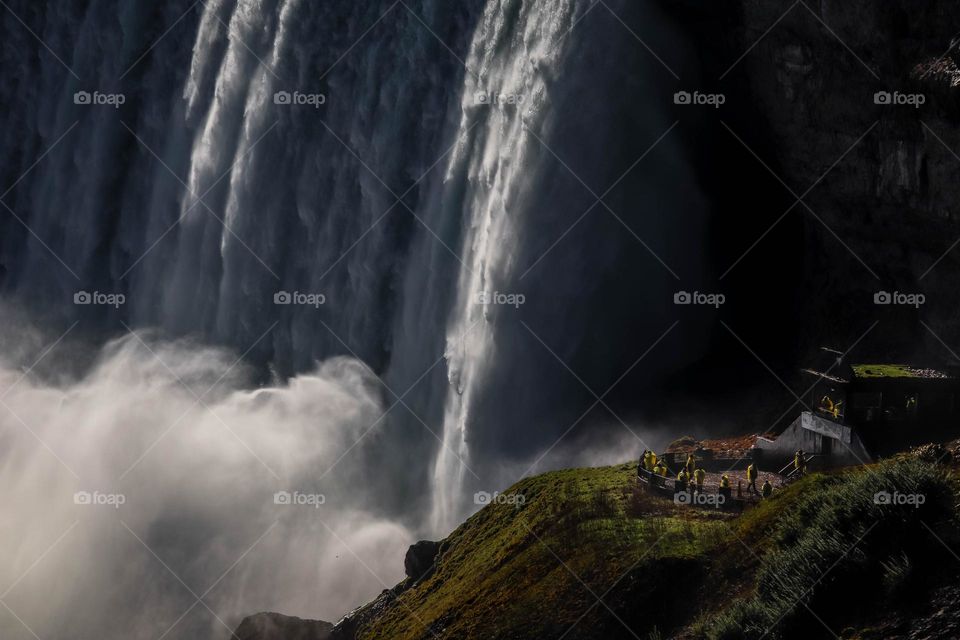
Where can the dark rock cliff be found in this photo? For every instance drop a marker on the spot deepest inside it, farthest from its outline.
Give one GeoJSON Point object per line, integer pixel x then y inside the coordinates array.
{"type": "Point", "coordinates": [273, 626]}
{"type": "Point", "coordinates": [837, 154]}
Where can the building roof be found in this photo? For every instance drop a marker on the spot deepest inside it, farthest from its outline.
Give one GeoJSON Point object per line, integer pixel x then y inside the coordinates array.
{"type": "Point", "coordinates": [824, 375]}
{"type": "Point", "coordinates": [733, 447]}
{"type": "Point", "coordinates": [896, 371]}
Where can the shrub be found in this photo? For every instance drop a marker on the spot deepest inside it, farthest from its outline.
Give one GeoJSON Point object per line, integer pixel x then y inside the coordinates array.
{"type": "Point", "coordinates": [840, 544]}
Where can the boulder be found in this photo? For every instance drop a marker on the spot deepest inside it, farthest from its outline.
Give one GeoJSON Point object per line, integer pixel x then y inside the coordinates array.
{"type": "Point", "coordinates": [420, 559]}
{"type": "Point", "coordinates": [273, 626]}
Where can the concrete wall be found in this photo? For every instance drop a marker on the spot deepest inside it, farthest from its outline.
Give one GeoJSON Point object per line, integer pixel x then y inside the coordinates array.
{"type": "Point", "coordinates": [835, 445]}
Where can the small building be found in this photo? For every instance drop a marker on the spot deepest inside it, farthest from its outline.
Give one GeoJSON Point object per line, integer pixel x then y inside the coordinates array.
{"type": "Point", "coordinates": [831, 444]}
{"type": "Point", "coordinates": [857, 412]}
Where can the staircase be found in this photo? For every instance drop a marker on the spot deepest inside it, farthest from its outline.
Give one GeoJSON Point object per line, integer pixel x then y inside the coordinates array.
{"type": "Point", "coordinates": [789, 472]}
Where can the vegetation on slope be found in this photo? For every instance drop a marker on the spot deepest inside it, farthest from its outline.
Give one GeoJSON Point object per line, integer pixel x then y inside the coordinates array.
{"type": "Point", "coordinates": [836, 549]}
{"type": "Point", "coordinates": [893, 371]}
{"type": "Point", "coordinates": [537, 570]}
{"type": "Point", "coordinates": [822, 552]}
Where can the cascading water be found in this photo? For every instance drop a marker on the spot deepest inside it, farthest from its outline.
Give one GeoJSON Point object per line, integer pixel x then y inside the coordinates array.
{"type": "Point", "coordinates": [391, 182]}
{"type": "Point", "coordinates": [505, 95]}
{"type": "Point", "coordinates": [535, 104]}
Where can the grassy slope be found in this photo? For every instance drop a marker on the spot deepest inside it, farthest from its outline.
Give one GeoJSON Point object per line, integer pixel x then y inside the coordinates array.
{"type": "Point", "coordinates": [513, 572]}
{"type": "Point", "coordinates": [827, 555]}
{"type": "Point", "coordinates": [516, 572]}
{"type": "Point", "coordinates": [887, 371]}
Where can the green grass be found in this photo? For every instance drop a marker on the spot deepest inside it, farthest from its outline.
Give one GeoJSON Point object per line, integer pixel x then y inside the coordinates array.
{"type": "Point", "coordinates": [668, 571]}
{"type": "Point", "coordinates": [519, 570]}
{"type": "Point", "coordinates": [885, 371]}
{"type": "Point", "coordinates": [826, 541]}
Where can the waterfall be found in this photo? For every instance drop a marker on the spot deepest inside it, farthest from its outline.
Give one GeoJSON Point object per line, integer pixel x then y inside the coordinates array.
{"type": "Point", "coordinates": [386, 209]}
{"type": "Point", "coordinates": [504, 97]}
{"type": "Point", "coordinates": [201, 196]}
{"type": "Point", "coordinates": [431, 156]}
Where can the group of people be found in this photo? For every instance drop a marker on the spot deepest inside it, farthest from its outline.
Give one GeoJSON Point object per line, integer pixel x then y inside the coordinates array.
{"type": "Point", "coordinates": [691, 477]}
{"type": "Point", "coordinates": [649, 462]}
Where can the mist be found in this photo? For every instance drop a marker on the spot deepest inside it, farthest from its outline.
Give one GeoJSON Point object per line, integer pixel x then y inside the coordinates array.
{"type": "Point", "coordinates": [149, 482]}
{"type": "Point", "coordinates": [153, 490]}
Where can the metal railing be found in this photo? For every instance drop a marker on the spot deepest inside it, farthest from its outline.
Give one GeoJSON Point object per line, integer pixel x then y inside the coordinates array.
{"type": "Point", "coordinates": [668, 486]}
{"type": "Point", "coordinates": [790, 471]}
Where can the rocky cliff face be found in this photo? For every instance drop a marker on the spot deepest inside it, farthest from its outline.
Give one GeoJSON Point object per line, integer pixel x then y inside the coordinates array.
{"type": "Point", "coordinates": [853, 108]}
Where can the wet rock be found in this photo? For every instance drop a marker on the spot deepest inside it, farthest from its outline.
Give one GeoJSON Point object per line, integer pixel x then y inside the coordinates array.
{"type": "Point", "coordinates": [273, 626]}
{"type": "Point", "coordinates": [420, 559]}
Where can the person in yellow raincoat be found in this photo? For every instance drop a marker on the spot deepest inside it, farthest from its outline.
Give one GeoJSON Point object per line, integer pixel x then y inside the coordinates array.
{"type": "Point", "coordinates": [699, 474]}
{"type": "Point", "coordinates": [725, 486]}
{"type": "Point", "coordinates": [752, 478]}
{"type": "Point", "coordinates": [800, 462]}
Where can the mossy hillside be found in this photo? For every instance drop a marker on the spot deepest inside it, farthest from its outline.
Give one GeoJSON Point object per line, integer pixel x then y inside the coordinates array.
{"type": "Point", "coordinates": [517, 572]}
{"type": "Point", "coordinates": [534, 571]}
{"type": "Point", "coordinates": [826, 553]}
{"type": "Point", "coordinates": [892, 371]}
